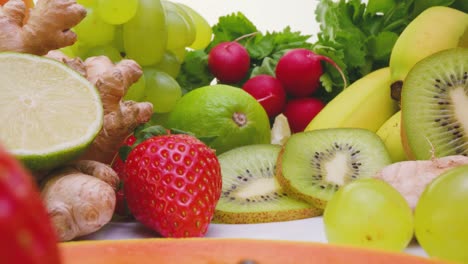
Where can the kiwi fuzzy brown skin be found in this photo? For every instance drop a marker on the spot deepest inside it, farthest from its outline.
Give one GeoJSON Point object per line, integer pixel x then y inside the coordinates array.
{"type": "Point", "coordinates": [431, 121]}
{"type": "Point", "coordinates": [404, 142]}
{"type": "Point", "coordinates": [265, 217]}
{"type": "Point", "coordinates": [277, 206]}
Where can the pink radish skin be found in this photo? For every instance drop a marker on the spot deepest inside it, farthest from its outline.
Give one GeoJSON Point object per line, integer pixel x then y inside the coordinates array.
{"type": "Point", "coordinates": [411, 177]}
{"type": "Point", "coordinates": [268, 91]}
{"type": "Point", "coordinates": [229, 62]}
{"type": "Point", "coordinates": [301, 111]}
{"type": "Point", "coordinates": [299, 71]}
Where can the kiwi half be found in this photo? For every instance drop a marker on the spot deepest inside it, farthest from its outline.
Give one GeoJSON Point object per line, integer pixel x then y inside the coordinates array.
{"type": "Point", "coordinates": [251, 193]}
{"type": "Point", "coordinates": [434, 106]}
{"type": "Point", "coordinates": [313, 165]}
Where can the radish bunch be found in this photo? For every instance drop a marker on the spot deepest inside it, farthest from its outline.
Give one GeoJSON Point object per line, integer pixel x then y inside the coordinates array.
{"type": "Point", "coordinates": [290, 91]}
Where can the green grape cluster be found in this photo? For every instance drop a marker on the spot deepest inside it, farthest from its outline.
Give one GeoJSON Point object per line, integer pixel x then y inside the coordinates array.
{"type": "Point", "coordinates": [154, 33]}
{"type": "Point", "coordinates": [371, 213]}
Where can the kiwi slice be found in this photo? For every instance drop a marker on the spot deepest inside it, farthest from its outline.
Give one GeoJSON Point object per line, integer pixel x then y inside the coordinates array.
{"type": "Point", "coordinates": [434, 106]}
{"type": "Point", "coordinates": [313, 165]}
{"type": "Point", "coordinates": [251, 193]}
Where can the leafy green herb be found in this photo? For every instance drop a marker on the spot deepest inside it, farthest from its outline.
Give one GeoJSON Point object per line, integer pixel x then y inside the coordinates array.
{"type": "Point", "coordinates": [358, 36]}
{"type": "Point", "coordinates": [264, 50]}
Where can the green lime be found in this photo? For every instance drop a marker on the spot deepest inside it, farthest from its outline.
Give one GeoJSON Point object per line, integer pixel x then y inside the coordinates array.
{"type": "Point", "coordinates": [223, 116]}
{"type": "Point", "coordinates": [49, 112]}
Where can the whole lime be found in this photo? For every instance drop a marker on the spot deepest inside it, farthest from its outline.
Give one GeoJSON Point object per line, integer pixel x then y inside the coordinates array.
{"type": "Point", "coordinates": [223, 116]}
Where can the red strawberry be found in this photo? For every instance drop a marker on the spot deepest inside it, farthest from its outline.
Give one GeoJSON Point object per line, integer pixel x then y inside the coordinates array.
{"type": "Point", "coordinates": [27, 235]}
{"type": "Point", "coordinates": [118, 165]}
{"type": "Point", "coordinates": [173, 184]}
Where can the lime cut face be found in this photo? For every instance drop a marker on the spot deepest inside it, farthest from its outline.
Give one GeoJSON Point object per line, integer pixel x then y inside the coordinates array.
{"type": "Point", "coordinates": [50, 113]}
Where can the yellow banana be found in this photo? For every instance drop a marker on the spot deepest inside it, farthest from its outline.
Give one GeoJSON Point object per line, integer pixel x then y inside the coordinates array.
{"type": "Point", "coordinates": [366, 103]}
{"type": "Point", "coordinates": [390, 133]}
{"type": "Point", "coordinates": [436, 28]}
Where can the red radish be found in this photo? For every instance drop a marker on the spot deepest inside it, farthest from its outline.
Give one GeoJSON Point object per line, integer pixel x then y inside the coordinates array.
{"type": "Point", "coordinates": [299, 71]}
{"type": "Point", "coordinates": [269, 93]}
{"type": "Point", "coordinates": [229, 62]}
{"type": "Point", "coordinates": [301, 111]}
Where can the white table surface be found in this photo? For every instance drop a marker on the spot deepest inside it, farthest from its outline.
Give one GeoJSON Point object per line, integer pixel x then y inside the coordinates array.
{"type": "Point", "coordinates": [310, 229]}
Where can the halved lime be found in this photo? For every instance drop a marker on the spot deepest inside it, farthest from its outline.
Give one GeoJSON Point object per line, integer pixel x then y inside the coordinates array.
{"type": "Point", "coordinates": [49, 112]}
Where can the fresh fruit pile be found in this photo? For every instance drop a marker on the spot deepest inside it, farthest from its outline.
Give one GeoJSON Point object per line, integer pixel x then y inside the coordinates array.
{"type": "Point", "coordinates": [383, 160]}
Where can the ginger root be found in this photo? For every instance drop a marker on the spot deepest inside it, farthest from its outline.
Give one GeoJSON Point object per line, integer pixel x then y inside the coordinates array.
{"type": "Point", "coordinates": [80, 198]}
{"type": "Point", "coordinates": [411, 177]}
{"type": "Point", "coordinates": [47, 28]}
{"type": "Point", "coordinates": [120, 117]}
{"type": "Point", "coordinates": [80, 204]}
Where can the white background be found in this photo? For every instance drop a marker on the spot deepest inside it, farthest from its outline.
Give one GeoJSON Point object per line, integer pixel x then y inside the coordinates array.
{"type": "Point", "coordinates": [267, 15]}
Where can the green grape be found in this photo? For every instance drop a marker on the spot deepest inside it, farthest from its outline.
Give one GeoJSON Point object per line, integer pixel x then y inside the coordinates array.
{"type": "Point", "coordinates": [180, 54]}
{"type": "Point", "coordinates": [112, 53]}
{"type": "Point", "coordinates": [86, 3]}
{"type": "Point", "coordinates": [369, 213]}
{"type": "Point", "coordinates": [441, 216]}
{"type": "Point", "coordinates": [93, 31]}
{"type": "Point", "coordinates": [145, 35]}
{"type": "Point", "coordinates": [191, 31]}
{"type": "Point", "coordinates": [136, 92]}
{"type": "Point", "coordinates": [180, 31]}
{"type": "Point", "coordinates": [161, 90]}
{"type": "Point", "coordinates": [203, 29]}
{"type": "Point", "coordinates": [117, 42]}
{"type": "Point", "coordinates": [116, 12]}
{"type": "Point", "coordinates": [158, 119]}
{"type": "Point", "coordinates": [78, 49]}
{"type": "Point", "coordinates": [169, 64]}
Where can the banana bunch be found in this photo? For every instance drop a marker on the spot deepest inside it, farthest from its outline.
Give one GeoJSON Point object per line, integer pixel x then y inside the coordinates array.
{"type": "Point", "coordinates": [372, 101]}
{"type": "Point", "coordinates": [390, 133]}
{"type": "Point", "coordinates": [366, 103]}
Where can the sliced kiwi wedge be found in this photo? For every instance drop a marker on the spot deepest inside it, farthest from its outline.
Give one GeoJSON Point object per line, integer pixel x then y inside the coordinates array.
{"type": "Point", "coordinates": [434, 106]}
{"type": "Point", "coordinates": [251, 193]}
{"type": "Point", "coordinates": [313, 165]}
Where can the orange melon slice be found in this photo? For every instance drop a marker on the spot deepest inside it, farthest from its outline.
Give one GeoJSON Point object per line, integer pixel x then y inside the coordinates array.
{"type": "Point", "coordinates": [223, 250]}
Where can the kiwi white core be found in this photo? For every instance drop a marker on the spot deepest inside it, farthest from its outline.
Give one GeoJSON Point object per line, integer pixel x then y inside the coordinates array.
{"type": "Point", "coordinates": [460, 102]}
{"type": "Point", "coordinates": [257, 187]}
{"type": "Point", "coordinates": [336, 168]}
